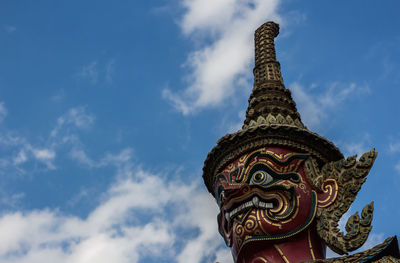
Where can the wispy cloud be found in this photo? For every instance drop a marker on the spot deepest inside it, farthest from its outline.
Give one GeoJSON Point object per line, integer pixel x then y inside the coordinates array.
{"type": "Point", "coordinates": [21, 152]}
{"type": "Point", "coordinates": [359, 147]}
{"type": "Point", "coordinates": [232, 125]}
{"type": "Point", "coordinates": [78, 154]}
{"type": "Point", "coordinates": [397, 167]}
{"type": "Point", "coordinates": [45, 155]}
{"type": "Point", "coordinates": [314, 107]}
{"type": "Point", "coordinates": [25, 152]}
{"type": "Point", "coordinates": [384, 54]}
{"type": "Point", "coordinates": [355, 148]}
{"type": "Point", "coordinates": [394, 147]}
{"type": "Point", "coordinates": [76, 117]}
{"type": "Point", "coordinates": [373, 240]}
{"type": "Point", "coordinates": [109, 71]}
{"type": "Point", "coordinates": [3, 111]}
{"type": "Point", "coordinates": [57, 97]}
{"type": "Point", "coordinates": [96, 72]}
{"type": "Point", "coordinates": [224, 33]}
{"type": "Point", "coordinates": [9, 28]}
{"type": "Point", "coordinates": [112, 233]}
{"type": "Point", "coordinates": [20, 158]}
{"type": "Point", "coordinates": [90, 72]}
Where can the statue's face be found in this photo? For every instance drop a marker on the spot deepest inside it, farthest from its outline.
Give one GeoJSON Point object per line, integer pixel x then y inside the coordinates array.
{"type": "Point", "coordinates": [264, 195]}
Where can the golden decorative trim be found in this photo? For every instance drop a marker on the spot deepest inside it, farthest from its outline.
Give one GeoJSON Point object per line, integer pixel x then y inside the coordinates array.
{"type": "Point", "coordinates": [281, 254]}
{"type": "Point", "coordinates": [263, 259]}
{"type": "Point", "coordinates": [328, 201]}
{"type": "Point", "coordinates": [310, 245]}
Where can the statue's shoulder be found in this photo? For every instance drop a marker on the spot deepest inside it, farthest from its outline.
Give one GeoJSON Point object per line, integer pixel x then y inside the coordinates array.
{"type": "Point", "coordinates": [387, 252]}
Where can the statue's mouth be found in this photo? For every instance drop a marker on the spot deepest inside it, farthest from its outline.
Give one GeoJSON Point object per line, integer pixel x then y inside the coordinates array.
{"type": "Point", "coordinates": [277, 202]}
{"type": "Point", "coordinates": [242, 207]}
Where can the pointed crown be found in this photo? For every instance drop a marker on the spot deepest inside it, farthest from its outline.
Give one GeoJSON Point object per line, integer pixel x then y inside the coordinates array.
{"type": "Point", "coordinates": [270, 102]}
{"type": "Point", "coordinates": [272, 118]}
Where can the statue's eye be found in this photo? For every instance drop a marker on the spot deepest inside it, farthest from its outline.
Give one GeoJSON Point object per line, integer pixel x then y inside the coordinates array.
{"type": "Point", "coordinates": [220, 193]}
{"type": "Point", "coordinates": [261, 177]}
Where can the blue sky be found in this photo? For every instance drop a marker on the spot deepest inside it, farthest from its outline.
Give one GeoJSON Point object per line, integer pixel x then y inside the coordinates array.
{"type": "Point", "coordinates": [108, 110]}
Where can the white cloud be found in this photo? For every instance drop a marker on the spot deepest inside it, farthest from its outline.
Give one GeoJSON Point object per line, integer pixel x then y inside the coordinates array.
{"type": "Point", "coordinates": [25, 152]}
{"type": "Point", "coordinates": [3, 111]}
{"type": "Point", "coordinates": [355, 148]}
{"type": "Point", "coordinates": [90, 72]}
{"type": "Point", "coordinates": [109, 71]}
{"type": "Point", "coordinates": [218, 64]}
{"type": "Point", "coordinates": [45, 155]}
{"type": "Point", "coordinates": [397, 167]}
{"type": "Point", "coordinates": [224, 256]}
{"type": "Point", "coordinates": [359, 147]}
{"type": "Point", "coordinates": [63, 135]}
{"type": "Point", "coordinates": [9, 139]}
{"type": "Point", "coordinates": [114, 230]}
{"type": "Point", "coordinates": [58, 96]}
{"type": "Point", "coordinates": [314, 107]}
{"type": "Point", "coordinates": [11, 200]}
{"type": "Point", "coordinates": [80, 155]}
{"type": "Point", "coordinates": [373, 240]}
{"type": "Point", "coordinates": [309, 107]}
{"type": "Point", "coordinates": [77, 117]}
{"type": "Point", "coordinates": [230, 125]}
{"type": "Point", "coordinates": [96, 72]}
{"type": "Point", "coordinates": [394, 147]}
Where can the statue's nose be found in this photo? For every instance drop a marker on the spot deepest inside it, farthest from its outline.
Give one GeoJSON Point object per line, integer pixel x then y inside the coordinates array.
{"type": "Point", "coordinates": [231, 193]}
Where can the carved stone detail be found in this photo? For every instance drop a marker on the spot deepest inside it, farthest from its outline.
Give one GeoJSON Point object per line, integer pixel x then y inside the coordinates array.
{"type": "Point", "coordinates": [350, 175]}
{"type": "Point", "coordinates": [277, 119]}
{"type": "Point", "coordinates": [368, 255]}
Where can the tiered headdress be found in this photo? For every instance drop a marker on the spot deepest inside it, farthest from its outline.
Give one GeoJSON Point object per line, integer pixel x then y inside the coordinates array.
{"type": "Point", "coordinates": [272, 118]}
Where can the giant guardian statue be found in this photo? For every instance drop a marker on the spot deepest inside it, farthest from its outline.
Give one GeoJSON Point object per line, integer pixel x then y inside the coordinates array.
{"type": "Point", "coordinates": [282, 188]}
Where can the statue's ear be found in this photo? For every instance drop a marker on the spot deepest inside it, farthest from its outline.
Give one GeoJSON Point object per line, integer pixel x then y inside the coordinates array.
{"type": "Point", "coordinates": [328, 195]}
{"type": "Point", "coordinates": [337, 184]}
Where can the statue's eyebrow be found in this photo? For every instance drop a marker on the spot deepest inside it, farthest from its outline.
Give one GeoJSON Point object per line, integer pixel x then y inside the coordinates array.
{"type": "Point", "coordinates": [276, 160]}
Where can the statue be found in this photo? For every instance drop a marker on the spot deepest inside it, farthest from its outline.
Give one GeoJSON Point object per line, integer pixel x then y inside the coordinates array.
{"type": "Point", "coordinates": [281, 188]}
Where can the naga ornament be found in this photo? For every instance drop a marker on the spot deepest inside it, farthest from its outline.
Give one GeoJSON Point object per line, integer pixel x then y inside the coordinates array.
{"type": "Point", "coordinates": [281, 188]}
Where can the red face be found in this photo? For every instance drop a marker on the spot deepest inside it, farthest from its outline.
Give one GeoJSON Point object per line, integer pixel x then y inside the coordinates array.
{"type": "Point", "coordinates": [264, 195]}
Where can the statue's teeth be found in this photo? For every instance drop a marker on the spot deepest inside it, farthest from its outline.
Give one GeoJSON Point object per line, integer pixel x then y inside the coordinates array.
{"type": "Point", "coordinates": [256, 201]}
{"type": "Point", "coordinates": [234, 212]}
{"type": "Point", "coordinates": [269, 205]}
{"type": "Point", "coordinates": [253, 202]}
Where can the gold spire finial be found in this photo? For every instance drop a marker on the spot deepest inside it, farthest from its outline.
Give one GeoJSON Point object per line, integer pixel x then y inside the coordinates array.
{"type": "Point", "coordinates": [264, 43]}
{"type": "Point", "coordinates": [270, 102]}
